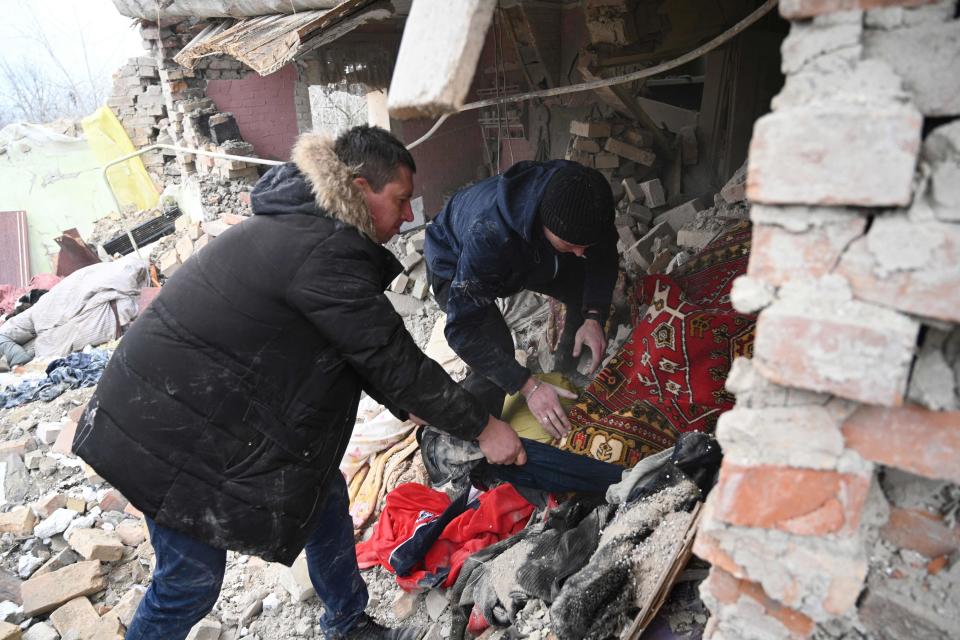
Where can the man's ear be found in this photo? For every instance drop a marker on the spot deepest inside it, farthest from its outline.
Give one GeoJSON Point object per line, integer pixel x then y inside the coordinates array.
{"type": "Point", "coordinates": [362, 184]}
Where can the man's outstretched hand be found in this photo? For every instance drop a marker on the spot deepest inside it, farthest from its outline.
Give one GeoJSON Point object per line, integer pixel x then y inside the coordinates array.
{"type": "Point", "coordinates": [543, 400]}
{"type": "Point", "coordinates": [500, 443]}
{"type": "Point", "coordinates": [590, 333]}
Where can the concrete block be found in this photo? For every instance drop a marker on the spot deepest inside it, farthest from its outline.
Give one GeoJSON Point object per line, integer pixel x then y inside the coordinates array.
{"type": "Point", "coordinates": [32, 459]}
{"type": "Point", "coordinates": [47, 432]}
{"type": "Point", "coordinates": [632, 189]}
{"type": "Point", "coordinates": [64, 442]}
{"type": "Point", "coordinates": [590, 129]}
{"type": "Point", "coordinates": [853, 154]}
{"type": "Point", "coordinates": [815, 336]}
{"type": "Point", "coordinates": [606, 161]}
{"type": "Point", "coordinates": [168, 262]}
{"type": "Point", "coordinates": [399, 284]}
{"type": "Point", "coordinates": [438, 55]}
{"type": "Point", "coordinates": [640, 213]}
{"type": "Point", "coordinates": [420, 289]}
{"type": "Point", "coordinates": [76, 616]}
{"type": "Point", "coordinates": [19, 521]}
{"type": "Point", "coordinates": [296, 580]}
{"type": "Point", "coordinates": [416, 241]}
{"type": "Point", "coordinates": [47, 592]}
{"type": "Point", "coordinates": [653, 195]}
{"type": "Point", "coordinates": [638, 138]}
{"type": "Point", "coordinates": [641, 252]}
{"type": "Point", "coordinates": [587, 145]}
{"type": "Point", "coordinates": [10, 631]}
{"type": "Point", "coordinates": [206, 629]}
{"type": "Point", "coordinates": [184, 248]}
{"type": "Point", "coordinates": [96, 544]}
{"type": "Point", "coordinates": [735, 190]}
{"type": "Point", "coordinates": [680, 216]}
{"type": "Point", "coordinates": [40, 631]}
{"type": "Point", "coordinates": [626, 234]}
{"type": "Point", "coordinates": [586, 159]}
{"type": "Point", "coordinates": [643, 157]}
{"type": "Point", "coordinates": [410, 261]}
{"type": "Point", "coordinates": [696, 239]}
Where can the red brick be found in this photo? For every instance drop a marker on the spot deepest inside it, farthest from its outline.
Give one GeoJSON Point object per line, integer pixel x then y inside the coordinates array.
{"type": "Point", "coordinates": [921, 531]}
{"type": "Point", "coordinates": [728, 590]}
{"type": "Point", "coordinates": [778, 255]}
{"type": "Point", "coordinates": [912, 438]}
{"type": "Point", "coordinates": [927, 286]}
{"type": "Point", "coordinates": [848, 349]}
{"type": "Point", "coordinates": [805, 502]}
{"type": "Point", "coordinates": [113, 500]}
{"type": "Point", "coordinates": [799, 9]}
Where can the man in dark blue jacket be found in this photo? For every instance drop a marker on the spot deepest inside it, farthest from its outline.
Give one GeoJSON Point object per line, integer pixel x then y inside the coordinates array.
{"type": "Point", "coordinates": [543, 226]}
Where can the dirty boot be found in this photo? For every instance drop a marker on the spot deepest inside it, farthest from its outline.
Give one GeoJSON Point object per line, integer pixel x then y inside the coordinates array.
{"type": "Point", "coordinates": [369, 629]}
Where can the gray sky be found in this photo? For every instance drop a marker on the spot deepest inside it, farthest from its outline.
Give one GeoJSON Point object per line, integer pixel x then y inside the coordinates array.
{"type": "Point", "coordinates": [83, 34]}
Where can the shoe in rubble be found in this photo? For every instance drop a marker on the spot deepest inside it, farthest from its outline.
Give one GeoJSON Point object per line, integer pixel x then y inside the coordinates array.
{"type": "Point", "coordinates": [369, 629]}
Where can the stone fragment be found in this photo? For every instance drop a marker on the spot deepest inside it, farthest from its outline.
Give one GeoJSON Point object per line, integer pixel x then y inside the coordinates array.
{"type": "Point", "coordinates": [641, 253]}
{"type": "Point", "coordinates": [27, 565]}
{"type": "Point", "coordinates": [590, 129]}
{"type": "Point", "coordinates": [15, 479]}
{"type": "Point", "coordinates": [77, 616]}
{"type": "Point", "coordinates": [47, 432]}
{"type": "Point", "coordinates": [131, 533]}
{"type": "Point", "coordinates": [653, 195]}
{"type": "Point", "coordinates": [127, 605]}
{"type": "Point", "coordinates": [32, 459]}
{"type": "Point", "coordinates": [296, 580]}
{"type": "Point", "coordinates": [410, 261]}
{"type": "Point", "coordinates": [643, 157]}
{"type": "Point", "coordinates": [19, 521]}
{"type": "Point", "coordinates": [61, 559]}
{"type": "Point", "coordinates": [96, 544]}
{"type": "Point", "coordinates": [206, 629]}
{"type": "Point", "coordinates": [737, 602]}
{"type": "Point", "coordinates": [46, 505]}
{"type": "Point", "coordinates": [436, 604]}
{"type": "Point", "coordinates": [113, 500]}
{"type": "Point", "coordinates": [40, 631]}
{"type": "Point", "coordinates": [64, 443]}
{"type": "Point", "coordinates": [75, 503]}
{"type": "Point", "coordinates": [920, 531]}
{"type": "Point", "coordinates": [184, 248]}
{"type": "Point", "coordinates": [835, 155]}
{"type": "Point", "coordinates": [16, 447]}
{"type": "Point", "coordinates": [736, 188]}
{"type": "Point", "coordinates": [399, 284]}
{"type": "Point", "coordinates": [640, 213]}
{"type": "Point", "coordinates": [10, 631]}
{"type": "Point", "coordinates": [58, 522]}
{"type": "Point", "coordinates": [169, 262]}
{"type": "Point", "coordinates": [47, 592]}
{"type": "Point", "coordinates": [404, 604]}
{"type": "Point", "coordinates": [420, 289]}
{"type": "Point", "coordinates": [679, 216]}
{"type": "Point", "coordinates": [626, 234]}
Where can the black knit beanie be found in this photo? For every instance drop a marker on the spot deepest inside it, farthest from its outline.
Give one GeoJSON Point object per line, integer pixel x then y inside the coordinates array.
{"type": "Point", "coordinates": [577, 205]}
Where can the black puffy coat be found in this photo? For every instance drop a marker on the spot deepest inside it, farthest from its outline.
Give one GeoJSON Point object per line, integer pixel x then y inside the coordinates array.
{"type": "Point", "coordinates": [228, 405]}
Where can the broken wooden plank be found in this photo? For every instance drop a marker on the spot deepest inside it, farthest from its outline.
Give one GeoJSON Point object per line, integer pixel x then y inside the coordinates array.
{"type": "Point", "coordinates": [680, 559]}
{"type": "Point", "coordinates": [438, 56]}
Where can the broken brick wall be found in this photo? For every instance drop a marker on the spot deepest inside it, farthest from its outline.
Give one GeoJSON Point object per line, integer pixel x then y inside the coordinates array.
{"type": "Point", "coordinates": [835, 510]}
{"type": "Point", "coordinates": [264, 109]}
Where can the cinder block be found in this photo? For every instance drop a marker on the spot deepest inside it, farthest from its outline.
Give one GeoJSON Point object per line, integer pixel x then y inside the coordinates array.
{"type": "Point", "coordinates": [606, 161]}
{"type": "Point", "coordinates": [679, 216]}
{"type": "Point", "coordinates": [590, 129]}
{"type": "Point", "coordinates": [653, 195]}
{"type": "Point", "coordinates": [643, 157]}
{"type": "Point", "coordinates": [587, 145]}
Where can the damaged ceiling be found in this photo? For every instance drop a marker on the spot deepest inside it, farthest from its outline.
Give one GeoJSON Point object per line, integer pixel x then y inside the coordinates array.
{"type": "Point", "coordinates": [152, 9]}
{"type": "Point", "coordinates": [266, 43]}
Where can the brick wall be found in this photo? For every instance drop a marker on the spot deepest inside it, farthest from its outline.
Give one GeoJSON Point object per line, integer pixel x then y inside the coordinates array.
{"type": "Point", "coordinates": [852, 391]}
{"type": "Point", "coordinates": [264, 107]}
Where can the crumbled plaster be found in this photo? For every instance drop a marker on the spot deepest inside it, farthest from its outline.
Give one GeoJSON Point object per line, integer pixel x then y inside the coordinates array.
{"type": "Point", "coordinates": [932, 382]}
{"type": "Point", "coordinates": [750, 295]}
{"type": "Point", "coordinates": [835, 37]}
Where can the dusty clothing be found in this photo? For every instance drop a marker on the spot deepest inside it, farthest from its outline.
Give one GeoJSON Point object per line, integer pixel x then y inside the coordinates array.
{"type": "Point", "coordinates": [16, 338]}
{"type": "Point", "coordinates": [228, 405]}
{"type": "Point", "coordinates": [488, 243]}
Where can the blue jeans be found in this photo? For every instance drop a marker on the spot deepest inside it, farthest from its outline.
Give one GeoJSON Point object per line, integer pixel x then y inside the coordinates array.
{"type": "Point", "coordinates": [188, 576]}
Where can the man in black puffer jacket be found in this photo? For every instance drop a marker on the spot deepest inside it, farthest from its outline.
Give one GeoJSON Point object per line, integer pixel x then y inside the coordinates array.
{"type": "Point", "coordinates": [227, 407]}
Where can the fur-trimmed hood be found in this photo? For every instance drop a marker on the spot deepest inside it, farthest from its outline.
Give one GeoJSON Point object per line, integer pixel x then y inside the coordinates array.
{"type": "Point", "coordinates": [317, 182]}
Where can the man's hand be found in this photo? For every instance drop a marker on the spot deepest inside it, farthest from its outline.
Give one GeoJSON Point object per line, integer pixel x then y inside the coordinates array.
{"type": "Point", "coordinates": [500, 444]}
{"type": "Point", "coordinates": [543, 399]}
{"type": "Point", "coordinates": [590, 333]}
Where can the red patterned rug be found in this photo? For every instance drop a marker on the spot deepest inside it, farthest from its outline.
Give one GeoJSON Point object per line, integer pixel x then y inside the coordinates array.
{"type": "Point", "coordinates": [668, 377]}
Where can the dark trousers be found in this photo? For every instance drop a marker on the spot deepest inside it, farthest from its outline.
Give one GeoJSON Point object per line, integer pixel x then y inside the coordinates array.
{"type": "Point", "coordinates": [188, 575]}
{"type": "Point", "coordinates": [562, 280]}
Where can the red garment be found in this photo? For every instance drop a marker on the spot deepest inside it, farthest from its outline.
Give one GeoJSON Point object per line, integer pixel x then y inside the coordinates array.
{"type": "Point", "coordinates": [9, 294]}
{"type": "Point", "coordinates": [501, 513]}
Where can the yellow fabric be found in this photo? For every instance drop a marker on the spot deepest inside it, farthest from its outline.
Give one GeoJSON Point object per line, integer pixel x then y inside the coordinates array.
{"type": "Point", "coordinates": [516, 412]}
{"type": "Point", "coordinates": [364, 503]}
{"type": "Point", "coordinates": [108, 141]}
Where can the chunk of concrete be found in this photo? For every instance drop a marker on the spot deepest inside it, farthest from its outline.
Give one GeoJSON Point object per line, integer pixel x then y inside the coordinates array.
{"type": "Point", "coordinates": [586, 129]}
{"type": "Point", "coordinates": [680, 216]}
{"type": "Point", "coordinates": [96, 544]}
{"type": "Point", "coordinates": [19, 521]}
{"type": "Point", "coordinates": [653, 195]}
{"type": "Point", "coordinates": [58, 522]}
{"type": "Point", "coordinates": [399, 284]}
{"type": "Point", "coordinates": [77, 616]}
{"type": "Point", "coordinates": [643, 157]}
